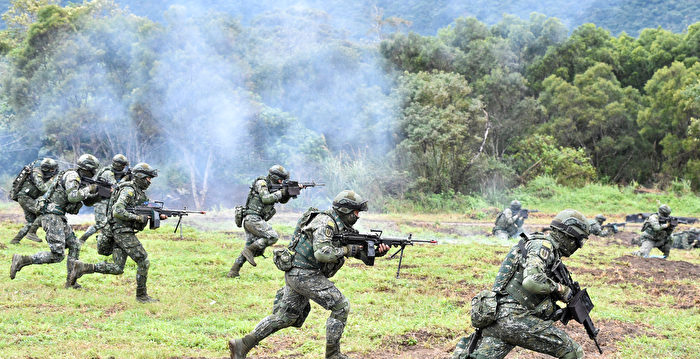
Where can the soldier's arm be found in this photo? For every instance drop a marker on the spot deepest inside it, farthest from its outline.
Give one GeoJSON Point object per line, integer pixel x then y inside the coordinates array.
{"type": "Point", "coordinates": [108, 176]}
{"type": "Point", "coordinates": [265, 195]}
{"type": "Point", "coordinates": [119, 211]}
{"type": "Point", "coordinates": [39, 182]}
{"type": "Point", "coordinates": [73, 191]}
{"type": "Point", "coordinates": [510, 218]}
{"type": "Point", "coordinates": [655, 225]}
{"type": "Point", "coordinates": [535, 279]}
{"type": "Point", "coordinates": [324, 250]}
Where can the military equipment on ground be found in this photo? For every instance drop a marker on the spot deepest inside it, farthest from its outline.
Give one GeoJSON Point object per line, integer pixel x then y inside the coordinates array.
{"type": "Point", "coordinates": [155, 209]}
{"type": "Point", "coordinates": [524, 213]}
{"type": "Point", "coordinates": [371, 241]}
{"type": "Point", "coordinates": [580, 305]}
{"type": "Point", "coordinates": [293, 188]}
{"type": "Point", "coordinates": [641, 217]}
{"type": "Point", "coordinates": [613, 226]}
{"type": "Point", "coordinates": [104, 188]}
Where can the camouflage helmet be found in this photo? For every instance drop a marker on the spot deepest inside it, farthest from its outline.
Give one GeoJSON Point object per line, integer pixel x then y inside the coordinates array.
{"type": "Point", "coordinates": [88, 162]}
{"type": "Point", "coordinates": [574, 227]}
{"type": "Point", "coordinates": [119, 162]}
{"type": "Point", "coordinates": [48, 165]}
{"type": "Point", "coordinates": [277, 173]}
{"type": "Point", "coordinates": [664, 210]}
{"type": "Point", "coordinates": [600, 218]}
{"type": "Point", "coordinates": [348, 201]}
{"type": "Point", "coordinates": [143, 170]}
{"type": "Point", "coordinates": [515, 205]}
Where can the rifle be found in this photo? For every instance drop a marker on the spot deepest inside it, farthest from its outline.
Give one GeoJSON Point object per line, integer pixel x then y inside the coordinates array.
{"type": "Point", "coordinates": [293, 188]}
{"type": "Point", "coordinates": [641, 217]}
{"type": "Point", "coordinates": [613, 226]}
{"type": "Point", "coordinates": [371, 241]}
{"type": "Point", "coordinates": [524, 213]}
{"type": "Point", "coordinates": [473, 341]}
{"type": "Point", "coordinates": [155, 209]}
{"type": "Point", "coordinates": [104, 188]}
{"type": "Point", "coordinates": [580, 305]}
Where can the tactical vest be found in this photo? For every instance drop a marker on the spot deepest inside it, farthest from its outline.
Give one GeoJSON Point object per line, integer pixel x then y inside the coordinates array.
{"type": "Point", "coordinates": [509, 280]}
{"type": "Point", "coordinates": [649, 233]}
{"type": "Point", "coordinates": [119, 225]}
{"type": "Point", "coordinates": [29, 188]}
{"type": "Point", "coordinates": [303, 245]}
{"type": "Point", "coordinates": [255, 205]}
{"type": "Point", "coordinates": [56, 197]}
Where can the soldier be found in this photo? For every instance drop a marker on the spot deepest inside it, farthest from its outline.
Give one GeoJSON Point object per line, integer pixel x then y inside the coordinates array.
{"type": "Point", "coordinates": [509, 223]}
{"type": "Point", "coordinates": [526, 293]}
{"type": "Point", "coordinates": [113, 175]}
{"type": "Point", "coordinates": [35, 185]}
{"type": "Point", "coordinates": [122, 229]}
{"type": "Point", "coordinates": [317, 258]}
{"type": "Point", "coordinates": [686, 239]}
{"type": "Point", "coordinates": [656, 233]}
{"type": "Point", "coordinates": [597, 229]}
{"type": "Point", "coordinates": [259, 208]}
{"type": "Point", "coordinates": [64, 195]}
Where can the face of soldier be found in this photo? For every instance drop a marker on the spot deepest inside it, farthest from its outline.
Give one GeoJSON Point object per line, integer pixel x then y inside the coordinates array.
{"type": "Point", "coordinates": [86, 173]}
{"type": "Point", "coordinates": [143, 183]}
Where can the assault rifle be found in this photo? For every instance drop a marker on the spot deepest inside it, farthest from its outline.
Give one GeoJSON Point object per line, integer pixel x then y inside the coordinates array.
{"type": "Point", "coordinates": [293, 188]}
{"type": "Point", "coordinates": [371, 241]}
{"type": "Point", "coordinates": [104, 188]}
{"type": "Point", "coordinates": [641, 217]}
{"type": "Point", "coordinates": [155, 209]}
{"type": "Point", "coordinates": [579, 306]}
{"type": "Point", "coordinates": [613, 226]}
{"type": "Point", "coordinates": [524, 213]}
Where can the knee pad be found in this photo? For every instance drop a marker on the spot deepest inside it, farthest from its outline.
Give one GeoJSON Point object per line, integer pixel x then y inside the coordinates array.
{"type": "Point", "coordinates": [576, 353]}
{"type": "Point", "coordinates": [341, 310]}
{"type": "Point", "coordinates": [142, 267]}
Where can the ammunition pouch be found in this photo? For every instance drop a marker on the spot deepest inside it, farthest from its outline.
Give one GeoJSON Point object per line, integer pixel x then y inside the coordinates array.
{"type": "Point", "coordinates": [484, 307]}
{"type": "Point", "coordinates": [283, 259]}
{"type": "Point", "coordinates": [238, 215]}
{"type": "Point", "coordinates": [266, 216]}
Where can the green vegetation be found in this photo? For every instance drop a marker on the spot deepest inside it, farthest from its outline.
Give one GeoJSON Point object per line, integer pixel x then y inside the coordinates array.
{"type": "Point", "coordinates": [200, 309]}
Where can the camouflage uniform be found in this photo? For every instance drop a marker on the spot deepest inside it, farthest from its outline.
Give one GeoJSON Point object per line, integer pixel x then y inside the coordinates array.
{"type": "Point", "coordinates": [260, 207]}
{"type": "Point", "coordinates": [64, 196]}
{"type": "Point", "coordinates": [526, 296]}
{"type": "Point", "coordinates": [112, 175]}
{"type": "Point", "coordinates": [121, 234]}
{"type": "Point", "coordinates": [317, 258]}
{"type": "Point", "coordinates": [596, 227]}
{"type": "Point", "coordinates": [686, 239]}
{"type": "Point", "coordinates": [656, 235]}
{"type": "Point", "coordinates": [36, 184]}
{"type": "Point", "coordinates": [509, 223]}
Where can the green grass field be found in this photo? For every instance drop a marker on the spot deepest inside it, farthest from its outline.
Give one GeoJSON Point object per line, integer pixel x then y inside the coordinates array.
{"type": "Point", "coordinates": [643, 311]}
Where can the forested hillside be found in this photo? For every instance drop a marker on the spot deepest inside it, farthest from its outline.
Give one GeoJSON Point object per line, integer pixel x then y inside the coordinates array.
{"type": "Point", "coordinates": [213, 100]}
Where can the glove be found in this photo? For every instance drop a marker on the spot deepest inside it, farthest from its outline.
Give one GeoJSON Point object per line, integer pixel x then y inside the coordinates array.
{"type": "Point", "coordinates": [353, 250]}
{"type": "Point", "coordinates": [92, 188]}
{"type": "Point", "coordinates": [564, 292]}
{"type": "Point", "coordinates": [143, 219]}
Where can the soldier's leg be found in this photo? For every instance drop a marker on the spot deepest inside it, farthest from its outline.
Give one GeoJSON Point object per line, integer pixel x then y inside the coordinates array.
{"type": "Point", "coordinates": [116, 268]}
{"type": "Point", "coordinates": [666, 249]}
{"type": "Point", "coordinates": [133, 248]}
{"type": "Point", "coordinates": [288, 310]}
{"type": "Point", "coordinates": [491, 348]}
{"type": "Point", "coordinates": [89, 232]}
{"type": "Point", "coordinates": [31, 235]}
{"type": "Point", "coordinates": [73, 246]}
{"type": "Point", "coordinates": [501, 234]}
{"type": "Point", "coordinates": [29, 208]}
{"type": "Point", "coordinates": [535, 334]}
{"type": "Point", "coordinates": [263, 233]}
{"type": "Point", "coordinates": [322, 291]}
{"type": "Point", "coordinates": [55, 227]}
{"type": "Point", "coordinates": [647, 246]}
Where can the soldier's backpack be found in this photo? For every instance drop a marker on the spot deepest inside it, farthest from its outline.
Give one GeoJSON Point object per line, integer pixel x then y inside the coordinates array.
{"type": "Point", "coordinates": [19, 180]}
{"type": "Point", "coordinates": [284, 257]}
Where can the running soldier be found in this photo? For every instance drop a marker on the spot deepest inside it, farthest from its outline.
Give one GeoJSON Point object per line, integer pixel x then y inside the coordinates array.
{"type": "Point", "coordinates": [121, 232]}
{"type": "Point", "coordinates": [259, 208]}
{"type": "Point", "coordinates": [317, 257]}
{"type": "Point", "coordinates": [112, 175]}
{"type": "Point", "coordinates": [33, 186]}
{"type": "Point", "coordinates": [65, 195]}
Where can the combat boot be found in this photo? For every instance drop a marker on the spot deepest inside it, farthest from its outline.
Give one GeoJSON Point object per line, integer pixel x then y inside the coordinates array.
{"type": "Point", "coordinates": [235, 269]}
{"type": "Point", "coordinates": [33, 237]}
{"type": "Point", "coordinates": [79, 268]}
{"type": "Point", "coordinates": [141, 291]}
{"type": "Point", "coordinates": [249, 253]}
{"type": "Point", "coordinates": [90, 231]}
{"type": "Point", "coordinates": [240, 347]}
{"type": "Point", "coordinates": [333, 352]}
{"type": "Point", "coordinates": [19, 261]}
{"type": "Point", "coordinates": [16, 239]}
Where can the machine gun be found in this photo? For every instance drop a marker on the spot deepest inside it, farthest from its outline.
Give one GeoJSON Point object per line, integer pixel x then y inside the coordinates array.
{"type": "Point", "coordinates": [579, 306]}
{"type": "Point", "coordinates": [293, 188]}
{"type": "Point", "coordinates": [613, 226]}
{"type": "Point", "coordinates": [641, 217]}
{"type": "Point", "coordinates": [524, 213]}
{"type": "Point", "coordinates": [371, 241]}
{"type": "Point", "coordinates": [155, 209]}
{"type": "Point", "coordinates": [104, 188]}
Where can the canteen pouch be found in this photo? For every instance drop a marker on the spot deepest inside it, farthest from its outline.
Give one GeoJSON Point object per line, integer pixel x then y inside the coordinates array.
{"type": "Point", "coordinates": [238, 213]}
{"type": "Point", "coordinates": [105, 245]}
{"type": "Point", "coordinates": [483, 311]}
{"type": "Point", "coordinates": [283, 259]}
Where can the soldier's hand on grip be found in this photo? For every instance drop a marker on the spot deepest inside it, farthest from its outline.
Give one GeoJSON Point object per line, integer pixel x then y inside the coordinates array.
{"type": "Point", "coordinates": [564, 292]}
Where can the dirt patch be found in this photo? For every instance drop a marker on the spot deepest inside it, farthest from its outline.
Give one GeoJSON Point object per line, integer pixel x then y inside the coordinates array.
{"type": "Point", "coordinates": [81, 227]}
{"type": "Point", "coordinates": [622, 239]}
{"type": "Point", "coordinates": [659, 277]}
{"type": "Point", "coordinates": [11, 217]}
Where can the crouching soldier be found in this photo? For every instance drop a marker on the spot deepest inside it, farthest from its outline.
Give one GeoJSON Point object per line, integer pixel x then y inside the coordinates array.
{"type": "Point", "coordinates": [317, 257]}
